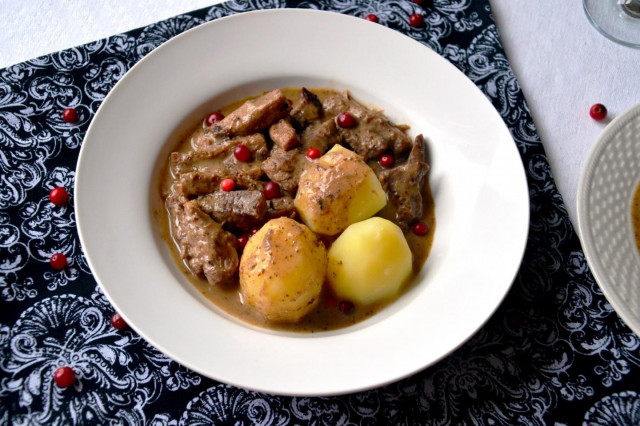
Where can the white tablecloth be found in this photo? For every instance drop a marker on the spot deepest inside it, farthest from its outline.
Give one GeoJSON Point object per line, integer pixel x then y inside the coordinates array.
{"type": "Point", "coordinates": [562, 64]}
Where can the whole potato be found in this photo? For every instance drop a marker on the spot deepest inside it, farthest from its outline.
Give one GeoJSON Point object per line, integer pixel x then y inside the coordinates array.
{"type": "Point", "coordinates": [369, 261]}
{"type": "Point", "coordinates": [282, 270]}
{"type": "Point", "coordinates": [337, 190]}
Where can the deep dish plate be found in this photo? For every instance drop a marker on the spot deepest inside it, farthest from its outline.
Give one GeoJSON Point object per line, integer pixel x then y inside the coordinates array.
{"type": "Point", "coordinates": [606, 187]}
{"type": "Point", "coordinates": [478, 184]}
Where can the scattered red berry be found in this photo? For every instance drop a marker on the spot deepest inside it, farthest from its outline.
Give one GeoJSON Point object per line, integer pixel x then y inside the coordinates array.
{"type": "Point", "coordinates": [371, 17]}
{"type": "Point", "coordinates": [64, 377]}
{"type": "Point", "coordinates": [227, 185]}
{"type": "Point", "coordinates": [59, 196]}
{"type": "Point", "coordinates": [416, 20]}
{"type": "Point", "coordinates": [70, 115]}
{"type": "Point", "coordinates": [346, 307]}
{"type": "Point", "coordinates": [387, 161]}
{"type": "Point", "coordinates": [271, 190]}
{"type": "Point", "coordinates": [243, 240]}
{"type": "Point", "coordinates": [58, 261]}
{"type": "Point", "coordinates": [242, 153]}
{"type": "Point", "coordinates": [214, 118]}
{"type": "Point", "coordinates": [598, 112]}
{"type": "Point", "coordinates": [346, 120]}
{"type": "Point", "coordinates": [254, 230]}
{"type": "Point", "coordinates": [118, 322]}
{"type": "Point", "coordinates": [314, 153]}
{"type": "Point", "coordinates": [420, 228]}
{"type": "Point", "coordinates": [417, 1]}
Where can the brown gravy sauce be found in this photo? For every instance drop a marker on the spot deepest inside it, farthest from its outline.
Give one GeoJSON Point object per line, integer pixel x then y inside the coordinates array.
{"type": "Point", "coordinates": [327, 315]}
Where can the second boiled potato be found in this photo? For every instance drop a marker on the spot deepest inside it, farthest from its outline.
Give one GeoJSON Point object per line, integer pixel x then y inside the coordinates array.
{"type": "Point", "coordinates": [369, 262]}
{"type": "Point", "coordinates": [337, 190]}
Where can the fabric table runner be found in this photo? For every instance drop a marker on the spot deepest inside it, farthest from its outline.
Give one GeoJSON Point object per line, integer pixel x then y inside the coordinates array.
{"type": "Point", "coordinates": [555, 352]}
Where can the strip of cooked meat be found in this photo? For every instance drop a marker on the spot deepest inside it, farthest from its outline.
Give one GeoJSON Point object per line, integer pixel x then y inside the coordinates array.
{"type": "Point", "coordinates": [285, 167]}
{"type": "Point", "coordinates": [205, 182]}
{"type": "Point", "coordinates": [209, 146]}
{"type": "Point", "coordinates": [238, 209]}
{"type": "Point", "coordinates": [284, 135]}
{"type": "Point", "coordinates": [404, 184]}
{"type": "Point", "coordinates": [254, 115]}
{"type": "Point", "coordinates": [208, 249]}
{"type": "Point", "coordinates": [306, 108]}
{"type": "Point", "coordinates": [373, 133]}
{"type": "Point", "coordinates": [279, 207]}
{"type": "Point", "coordinates": [321, 135]}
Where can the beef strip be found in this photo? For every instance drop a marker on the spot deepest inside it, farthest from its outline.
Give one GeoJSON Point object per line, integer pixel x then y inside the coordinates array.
{"type": "Point", "coordinates": [237, 209]}
{"type": "Point", "coordinates": [321, 135]}
{"type": "Point", "coordinates": [373, 133]}
{"type": "Point", "coordinates": [404, 184]}
{"type": "Point", "coordinates": [279, 207]}
{"type": "Point", "coordinates": [285, 167]}
{"type": "Point", "coordinates": [254, 115]}
{"type": "Point", "coordinates": [204, 245]}
{"type": "Point", "coordinates": [306, 109]}
{"type": "Point", "coordinates": [209, 146]}
{"type": "Point", "coordinates": [205, 182]}
{"type": "Point", "coordinates": [284, 135]}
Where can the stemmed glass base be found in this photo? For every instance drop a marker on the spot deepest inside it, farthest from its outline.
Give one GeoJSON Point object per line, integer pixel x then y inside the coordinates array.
{"type": "Point", "coordinates": [618, 20]}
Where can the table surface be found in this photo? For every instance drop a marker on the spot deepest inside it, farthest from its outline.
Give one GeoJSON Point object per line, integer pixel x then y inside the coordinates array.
{"type": "Point", "coordinates": [562, 63]}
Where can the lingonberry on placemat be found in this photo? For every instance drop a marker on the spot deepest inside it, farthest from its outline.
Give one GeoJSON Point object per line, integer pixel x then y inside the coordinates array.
{"type": "Point", "coordinates": [118, 322]}
{"type": "Point", "coordinates": [371, 17]}
{"type": "Point", "coordinates": [64, 377]}
{"type": "Point", "coordinates": [58, 261]}
{"type": "Point", "coordinates": [70, 115]}
{"type": "Point", "coordinates": [416, 20]}
{"type": "Point", "coordinates": [59, 196]}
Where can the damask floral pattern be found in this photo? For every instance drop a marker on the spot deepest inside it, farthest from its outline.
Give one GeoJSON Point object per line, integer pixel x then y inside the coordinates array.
{"type": "Point", "coordinates": [555, 351]}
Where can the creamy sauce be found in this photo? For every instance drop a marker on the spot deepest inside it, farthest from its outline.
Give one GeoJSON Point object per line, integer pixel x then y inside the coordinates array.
{"type": "Point", "coordinates": [327, 315]}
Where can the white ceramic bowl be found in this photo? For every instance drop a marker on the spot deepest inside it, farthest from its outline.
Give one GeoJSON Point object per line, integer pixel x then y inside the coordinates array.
{"type": "Point", "coordinates": [476, 175]}
{"type": "Point", "coordinates": [609, 178]}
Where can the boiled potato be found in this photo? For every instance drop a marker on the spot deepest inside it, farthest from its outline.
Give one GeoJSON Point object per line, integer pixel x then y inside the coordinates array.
{"type": "Point", "coordinates": [369, 262]}
{"type": "Point", "coordinates": [337, 190]}
{"type": "Point", "coordinates": [282, 270]}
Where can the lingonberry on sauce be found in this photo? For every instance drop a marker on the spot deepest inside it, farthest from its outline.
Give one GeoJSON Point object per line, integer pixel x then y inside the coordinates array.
{"type": "Point", "coordinates": [58, 261]}
{"type": "Point", "coordinates": [416, 20]}
{"type": "Point", "coordinates": [242, 241]}
{"type": "Point", "coordinates": [271, 190]}
{"type": "Point", "coordinates": [420, 228]}
{"type": "Point", "coordinates": [371, 17]}
{"type": "Point", "coordinates": [346, 120]}
{"type": "Point", "coordinates": [346, 307]}
{"type": "Point", "coordinates": [118, 322]}
{"type": "Point", "coordinates": [387, 161]}
{"type": "Point", "coordinates": [214, 118]}
{"type": "Point", "coordinates": [314, 153]}
{"type": "Point", "coordinates": [64, 377]}
{"type": "Point", "coordinates": [227, 185]}
{"type": "Point", "coordinates": [254, 230]}
{"type": "Point", "coordinates": [70, 115]}
{"type": "Point", "coordinates": [598, 112]}
{"type": "Point", "coordinates": [242, 153]}
{"type": "Point", "coordinates": [59, 196]}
